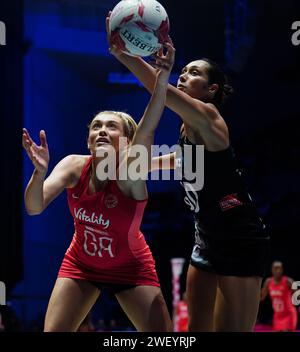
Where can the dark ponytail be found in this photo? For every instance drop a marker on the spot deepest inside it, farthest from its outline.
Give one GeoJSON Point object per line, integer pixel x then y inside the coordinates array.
{"type": "Point", "coordinates": [216, 75]}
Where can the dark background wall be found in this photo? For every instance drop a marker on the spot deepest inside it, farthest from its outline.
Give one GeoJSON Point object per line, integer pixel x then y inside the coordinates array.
{"type": "Point", "coordinates": [56, 74]}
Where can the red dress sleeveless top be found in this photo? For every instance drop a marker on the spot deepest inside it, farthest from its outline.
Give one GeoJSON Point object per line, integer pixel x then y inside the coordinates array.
{"type": "Point", "coordinates": [107, 245]}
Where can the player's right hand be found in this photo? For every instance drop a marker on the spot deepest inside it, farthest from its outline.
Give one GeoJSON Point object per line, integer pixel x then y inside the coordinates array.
{"type": "Point", "coordinates": [39, 155]}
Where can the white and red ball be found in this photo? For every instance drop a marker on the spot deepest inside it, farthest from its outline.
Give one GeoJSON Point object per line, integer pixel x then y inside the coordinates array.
{"type": "Point", "coordinates": [139, 27]}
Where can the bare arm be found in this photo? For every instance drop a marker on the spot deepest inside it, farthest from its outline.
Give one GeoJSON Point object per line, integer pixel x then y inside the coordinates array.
{"type": "Point", "coordinates": [193, 112]}
{"type": "Point", "coordinates": [163, 162]}
{"type": "Point", "coordinates": [148, 123]}
{"type": "Point", "coordinates": [40, 192]}
{"type": "Point", "coordinates": [144, 135]}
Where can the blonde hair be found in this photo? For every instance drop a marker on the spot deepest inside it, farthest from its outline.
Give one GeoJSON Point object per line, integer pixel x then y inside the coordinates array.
{"type": "Point", "coordinates": [130, 125]}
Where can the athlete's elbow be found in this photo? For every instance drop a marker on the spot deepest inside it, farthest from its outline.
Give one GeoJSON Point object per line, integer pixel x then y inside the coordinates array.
{"type": "Point", "coordinates": [33, 212]}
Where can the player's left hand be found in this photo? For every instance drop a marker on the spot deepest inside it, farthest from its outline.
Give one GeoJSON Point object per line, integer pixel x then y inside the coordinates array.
{"type": "Point", "coordinates": [164, 61]}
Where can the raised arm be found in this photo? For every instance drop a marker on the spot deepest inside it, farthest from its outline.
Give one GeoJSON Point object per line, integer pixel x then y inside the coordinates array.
{"type": "Point", "coordinates": [193, 112]}
{"type": "Point", "coordinates": [145, 131]}
{"type": "Point", "coordinates": [155, 107]}
{"type": "Point", "coordinates": [40, 192]}
{"type": "Point", "coordinates": [144, 135]}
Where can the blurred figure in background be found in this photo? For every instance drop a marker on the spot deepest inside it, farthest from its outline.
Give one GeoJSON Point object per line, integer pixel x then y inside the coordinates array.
{"type": "Point", "coordinates": [279, 287]}
{"type": "Point", "coordinates": [181, 315]}
{"type": "Point", "coordinates": [9, 321]}
{"type": "Point", "coordinates": [2, 327]}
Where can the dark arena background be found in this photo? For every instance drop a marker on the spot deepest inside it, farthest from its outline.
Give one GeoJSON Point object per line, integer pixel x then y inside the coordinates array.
{"type": "Point", "coordinates": [56, 73]}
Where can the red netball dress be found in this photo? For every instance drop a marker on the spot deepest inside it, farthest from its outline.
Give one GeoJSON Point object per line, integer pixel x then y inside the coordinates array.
{"type": "Point", "coordinates": [285, 314]}
{"type": "Point", "coordinates": [107, 245]}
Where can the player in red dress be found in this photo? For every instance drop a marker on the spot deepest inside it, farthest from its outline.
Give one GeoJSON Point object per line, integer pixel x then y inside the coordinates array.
{"type": "Point", "coordinates": [181, 315]}
{"type": "Point", "coordinates": [279, 287]}
{"type": "Point", "coordinates": [108, 249]}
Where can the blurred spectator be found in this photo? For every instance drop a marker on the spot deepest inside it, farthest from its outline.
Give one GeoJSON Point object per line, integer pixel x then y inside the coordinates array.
{"type": "Point", "coordinates": [8, 319]}
{"type": "Point", "coordinates": [181, 315]}
{"type": "Point", "coordinates": [2, 327]}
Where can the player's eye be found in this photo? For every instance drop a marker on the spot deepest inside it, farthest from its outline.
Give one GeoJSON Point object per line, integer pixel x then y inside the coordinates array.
{"type": "Point", "coordinates": [96, 126]}
{"type": "Point", "coordinates": [112, 125]}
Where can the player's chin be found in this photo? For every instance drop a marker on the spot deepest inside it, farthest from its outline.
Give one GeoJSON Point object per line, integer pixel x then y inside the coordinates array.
{"type": "Point", "coordinates": [99, 146]}
{"type": "Point", "coordinates": [107, 147]}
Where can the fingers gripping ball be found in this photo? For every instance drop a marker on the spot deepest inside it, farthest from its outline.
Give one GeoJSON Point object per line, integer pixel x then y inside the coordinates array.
{"type": "Point", "coordinates": [139, 27]}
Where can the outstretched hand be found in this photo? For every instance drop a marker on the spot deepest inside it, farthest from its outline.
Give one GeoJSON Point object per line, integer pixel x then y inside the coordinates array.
{"type": "Point", "coordinates": [164, 62]}
{"type": "Point", "coordinates": [39, 155]}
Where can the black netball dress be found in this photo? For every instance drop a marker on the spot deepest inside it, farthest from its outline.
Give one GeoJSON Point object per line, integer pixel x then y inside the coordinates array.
{"type": "Point", "coordinates": [230, 237]}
